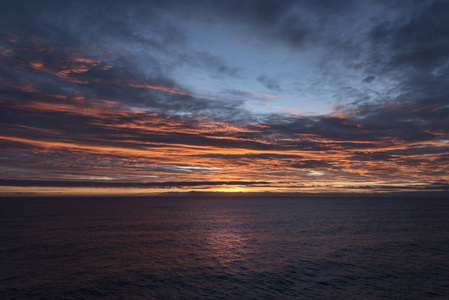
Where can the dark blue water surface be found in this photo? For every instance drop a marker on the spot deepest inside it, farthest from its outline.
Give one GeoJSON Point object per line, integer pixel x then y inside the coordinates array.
{"type": "Point", "coordinates": [182, 248]}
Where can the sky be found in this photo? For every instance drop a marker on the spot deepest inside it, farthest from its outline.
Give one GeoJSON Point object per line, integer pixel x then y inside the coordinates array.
{"type": "Point", "coordinates": [150, 97]}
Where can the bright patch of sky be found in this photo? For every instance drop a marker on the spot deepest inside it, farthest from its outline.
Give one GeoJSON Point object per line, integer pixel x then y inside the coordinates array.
{"type": "Point", "coordinates": [306, 79]}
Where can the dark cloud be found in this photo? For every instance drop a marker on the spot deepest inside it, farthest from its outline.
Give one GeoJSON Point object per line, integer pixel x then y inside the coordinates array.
{"type": "Point", "coordinates": [420, 41]}
{"type": "Point", "coordinates": [44, 183]}
{"type": "Point", "coordinates": [264, 156]}
{"type": "Point", "coordinates": [374, 156]}
{"type": "Point", "coordinates": [413, 50]}
{"type": "Point", "coordinates": [53, 35]}
{"type": "Point", "coordinates": [209, 61]}
{"type": "Point", "coordinates": [369, 79]}
{"type": "Point", "coordinates": [269, 83]}
{"type": "Point", "coordinates": [311, 164]}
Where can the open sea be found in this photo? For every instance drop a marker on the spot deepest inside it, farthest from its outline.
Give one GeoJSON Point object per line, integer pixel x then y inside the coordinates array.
{"type": "Point", "coordinates": [224, 248]}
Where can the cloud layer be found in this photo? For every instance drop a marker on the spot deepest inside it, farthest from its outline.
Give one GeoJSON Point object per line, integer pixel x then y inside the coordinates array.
{"type": "Point", "coordinates": [173, 95]}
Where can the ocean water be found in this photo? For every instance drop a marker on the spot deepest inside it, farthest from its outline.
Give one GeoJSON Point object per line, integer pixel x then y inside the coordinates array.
{"type": "Point", "coordinates": [255, 248]}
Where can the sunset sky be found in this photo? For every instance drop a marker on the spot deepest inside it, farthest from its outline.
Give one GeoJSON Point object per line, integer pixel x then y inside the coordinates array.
{"type": "Point", "coordinates": [148, 97]}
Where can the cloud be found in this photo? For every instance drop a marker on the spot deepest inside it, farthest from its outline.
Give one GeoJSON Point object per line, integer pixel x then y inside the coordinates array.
{"type": "Point", "coordinates": [97, 89]}
{"type": "Point", "coordinates": [311, 164]}
{"type": "Point", "coordinates": [206, 60]}
{"type": "Point", "coordinates": [43, 183]}
{"type": "Point", "coordinates": [369, 79]}
{"type": "Point", "coordinates": [269, 83]}
{"type": "Point", "coordinates": [420, 41]}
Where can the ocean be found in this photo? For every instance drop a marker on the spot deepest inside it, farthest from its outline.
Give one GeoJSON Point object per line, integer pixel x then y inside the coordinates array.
{"type": "Point", "coordinates": [224, 248]}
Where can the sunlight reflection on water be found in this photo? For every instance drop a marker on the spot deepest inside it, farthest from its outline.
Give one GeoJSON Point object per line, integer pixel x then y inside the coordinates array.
{"type": "Point", "coordinates": [231, 248]}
